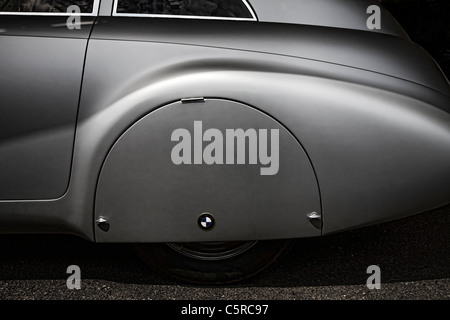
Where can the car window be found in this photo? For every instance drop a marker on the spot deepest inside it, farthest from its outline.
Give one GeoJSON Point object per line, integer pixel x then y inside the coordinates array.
{"type": "Point", "coordinates": [45, 6]}
{"type": "Point", "coordinates": [232, 9]}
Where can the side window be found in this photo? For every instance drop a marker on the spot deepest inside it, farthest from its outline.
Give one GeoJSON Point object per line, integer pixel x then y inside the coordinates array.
{"type": "Point", "coordinates": [44, 6]}
{"type": "Point", "coordinates": [232, 9]}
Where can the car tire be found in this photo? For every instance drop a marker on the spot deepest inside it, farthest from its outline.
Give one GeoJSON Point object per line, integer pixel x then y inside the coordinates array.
{"type": "Point", "coordinates": [212, 263]}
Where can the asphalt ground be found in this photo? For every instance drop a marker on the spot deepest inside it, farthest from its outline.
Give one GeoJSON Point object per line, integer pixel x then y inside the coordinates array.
{"type": "Point", "coordinates": [413, 255]}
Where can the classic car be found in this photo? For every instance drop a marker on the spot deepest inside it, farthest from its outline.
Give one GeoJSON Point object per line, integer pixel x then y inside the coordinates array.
{"type": "Point", "coordinates": [210, 133]}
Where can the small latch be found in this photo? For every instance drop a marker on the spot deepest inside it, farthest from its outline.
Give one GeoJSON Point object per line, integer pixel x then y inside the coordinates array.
{"type": "Point", "coordinates": [315, 219]}
{"type": "Point", "coordinates": [102, 223]}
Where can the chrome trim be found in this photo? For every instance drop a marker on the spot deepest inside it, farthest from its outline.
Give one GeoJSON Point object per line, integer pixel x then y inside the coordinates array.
{"type": "Point", "coordinates": [101, 219]}
{"type": "Point", "coordinates": [314, 216]}
{"type": "Point", "coordinates": [67, 14]}
{"type": "Point", "coordinates": [315, 219]}
{"type": "Point", "coordinates": [250, 9]}
{"type": "Point", "coordinates": [193, 100]}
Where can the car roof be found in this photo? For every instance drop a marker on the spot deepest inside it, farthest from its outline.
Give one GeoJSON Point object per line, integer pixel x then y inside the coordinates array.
{"type": "Point", "coordinates": [348, 14]}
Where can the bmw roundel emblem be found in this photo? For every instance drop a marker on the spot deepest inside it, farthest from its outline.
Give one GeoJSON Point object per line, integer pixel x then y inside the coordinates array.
{"type": "Point", "coordinates": [206, 221]}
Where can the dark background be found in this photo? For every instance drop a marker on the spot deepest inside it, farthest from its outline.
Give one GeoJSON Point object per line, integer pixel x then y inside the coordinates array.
{"type": "Point", "coordinates": [427, 22]}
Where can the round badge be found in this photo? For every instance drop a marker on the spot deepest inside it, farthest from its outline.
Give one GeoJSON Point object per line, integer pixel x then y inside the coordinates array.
{"type": "Point", "coordinates": [206, 221]}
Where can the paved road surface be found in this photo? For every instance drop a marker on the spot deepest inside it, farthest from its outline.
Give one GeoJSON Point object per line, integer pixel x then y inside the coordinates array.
{"type": "Point", "coordinates": [413, 254]}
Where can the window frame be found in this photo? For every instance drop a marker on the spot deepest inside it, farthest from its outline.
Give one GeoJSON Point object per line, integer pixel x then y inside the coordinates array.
{"type": "Point", "coordinates": [177, 16]}
{"type": "Point", "coordinates": [94, 12]}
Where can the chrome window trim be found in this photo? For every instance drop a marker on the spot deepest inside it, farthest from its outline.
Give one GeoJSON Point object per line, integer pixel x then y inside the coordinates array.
{"type": "Point", "coordinates": [249, 8]}
{"type": "Point", "coordinates": [93, 13]}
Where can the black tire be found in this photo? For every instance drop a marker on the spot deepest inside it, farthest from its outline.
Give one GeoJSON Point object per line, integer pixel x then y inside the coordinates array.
{"type": "Point", "coordinates": [212, 263]}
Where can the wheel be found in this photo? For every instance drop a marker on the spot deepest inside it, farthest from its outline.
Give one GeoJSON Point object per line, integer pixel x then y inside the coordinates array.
{"type": "Point", "coordinates": [212, 262]}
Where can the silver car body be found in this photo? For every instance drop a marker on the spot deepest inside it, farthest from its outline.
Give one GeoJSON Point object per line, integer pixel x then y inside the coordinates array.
{"type": "Point", "coordinates": [87, 114]}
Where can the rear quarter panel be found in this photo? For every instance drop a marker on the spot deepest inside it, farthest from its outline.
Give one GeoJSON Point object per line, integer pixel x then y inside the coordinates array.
{"type": "Point", "coordinates": [379, 145]}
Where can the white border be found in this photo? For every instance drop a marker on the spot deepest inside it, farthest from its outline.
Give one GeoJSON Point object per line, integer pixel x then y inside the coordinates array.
{"type": "Point", "coordinates": [175, 16]}
{"type": "Point", "coordinates": [93, 13]}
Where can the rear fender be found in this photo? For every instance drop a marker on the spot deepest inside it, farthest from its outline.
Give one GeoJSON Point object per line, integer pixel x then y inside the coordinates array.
{"type": "Point", "coordinates": [360, 140]}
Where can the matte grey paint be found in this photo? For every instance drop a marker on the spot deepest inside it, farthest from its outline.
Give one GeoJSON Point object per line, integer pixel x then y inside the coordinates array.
{"type": "Point", "coordinates": [370, 110]}
{"type": "Point", "coordinates": [140, 189]}
{"type": "Point", "coordinates": [40, 81]}
{"type": "Point", "coordinates": [43, 26]}
{"type": "Point", "coordinates": [337, 47]}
